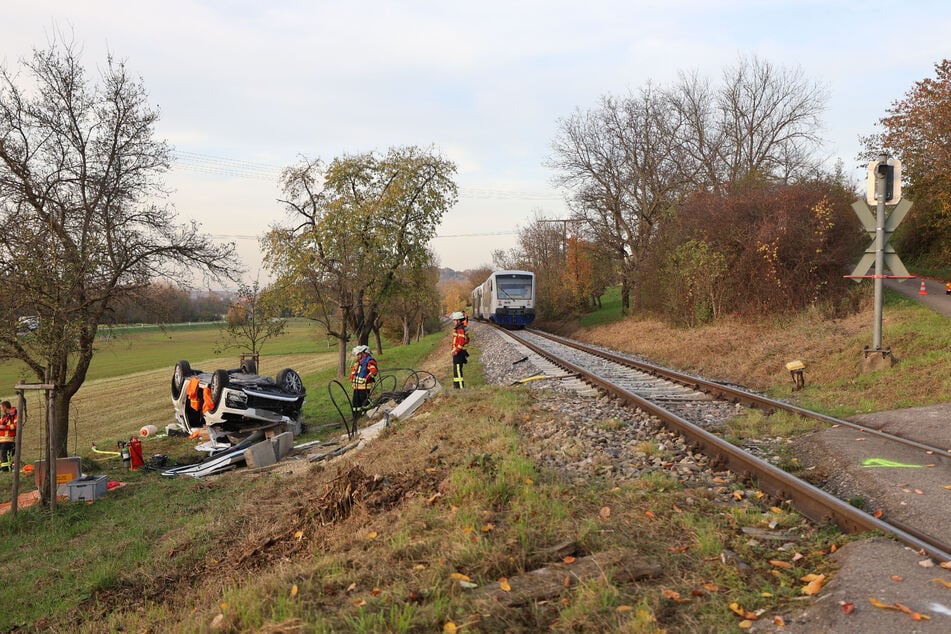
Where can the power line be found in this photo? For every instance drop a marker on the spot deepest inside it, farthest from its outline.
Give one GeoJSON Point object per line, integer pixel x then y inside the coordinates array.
{"type": "Point", "coordinates": [222, 236]}
{"type": "Point", "coordinates": [475, 235]}
{"type": "Point", "coordinates": [239, 168]}
{"type": "Point", "coordinates": [208, 164]}
{"type": "Point", "coordinates": [208, 158]}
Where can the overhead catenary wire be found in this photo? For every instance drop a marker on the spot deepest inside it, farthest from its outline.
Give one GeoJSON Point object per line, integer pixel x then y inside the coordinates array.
{"type": "Point", "coordinates": [223, 236]}
{"type": "Point", "coordinates": [239, 168]}
{"type": "Point", "coordinates": [219, 165]}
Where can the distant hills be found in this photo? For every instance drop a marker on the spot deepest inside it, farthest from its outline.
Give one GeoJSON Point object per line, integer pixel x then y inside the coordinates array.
{"type": "Point", "coordinates": [451, 275]}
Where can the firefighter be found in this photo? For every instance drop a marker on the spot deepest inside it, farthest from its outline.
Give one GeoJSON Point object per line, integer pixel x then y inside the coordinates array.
{"type": "Point", "coordinates": [362, 376]}
{"type": "Point", "coordinates": [460, 338]}
{"type": "Point", "coordinates": [8, 434]}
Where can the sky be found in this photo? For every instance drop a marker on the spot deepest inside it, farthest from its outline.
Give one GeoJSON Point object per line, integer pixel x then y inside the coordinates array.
{"type": "Point", "coordinates": [246, 88]}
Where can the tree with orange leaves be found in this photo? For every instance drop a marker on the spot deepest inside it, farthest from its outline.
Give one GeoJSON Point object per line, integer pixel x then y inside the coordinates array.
{"type": "Point", "coordinates": [917, 130]}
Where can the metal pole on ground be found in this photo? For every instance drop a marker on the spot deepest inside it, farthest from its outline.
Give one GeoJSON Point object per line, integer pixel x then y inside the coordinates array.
{"type": "Point", "coordinates": [21, 412]}
{"type": "Point", "coordinates": [51, 427]}
{"type": "Point", "coordinates": [21, 421]}
{"type": "Point", "coordinates": [879, 254]}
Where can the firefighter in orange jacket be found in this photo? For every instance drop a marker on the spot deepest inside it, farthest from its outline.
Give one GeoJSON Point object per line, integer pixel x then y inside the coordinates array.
{"type": "Point", "coordinates": [460, 338]}
{"type": "Point", "coordinates": [8, 434]}
{"type": "Point", "coordinates": [362, 376]}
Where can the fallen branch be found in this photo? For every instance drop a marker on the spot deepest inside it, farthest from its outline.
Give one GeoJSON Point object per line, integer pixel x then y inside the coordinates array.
{"type": "Point", "coordinates": [552, 580]}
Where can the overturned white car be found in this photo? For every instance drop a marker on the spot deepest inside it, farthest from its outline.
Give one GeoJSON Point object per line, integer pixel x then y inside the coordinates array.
{"type": "Point", "coordinates": [232, 404]}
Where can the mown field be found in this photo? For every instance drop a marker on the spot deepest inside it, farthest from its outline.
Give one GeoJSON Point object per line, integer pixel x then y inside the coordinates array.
{"type": "Point", "coordinates": [394, 538]}
{"type": "Point", "coordinates": [129, 379]}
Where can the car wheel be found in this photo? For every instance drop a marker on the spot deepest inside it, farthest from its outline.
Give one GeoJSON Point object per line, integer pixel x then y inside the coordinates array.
{"type": "Point", "coordinates": [219, 381]}
{"type": "Point", "coordinates": [290, 381]}
{"type": "Point", "coordinates": [181, 373]}
{"type": "Point", "coordinates": [248, 366]}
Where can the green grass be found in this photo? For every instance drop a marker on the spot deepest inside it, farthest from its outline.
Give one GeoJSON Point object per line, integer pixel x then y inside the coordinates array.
{"type": "Point", "coordinates": [609, 312]}
{"type": "Point", "coordinates": [320, 414]}
{"type": "Point", "coordinates": [123, 351]}
{"type": "Point", "coordinates": [930, 270]}
{"type": "Point", "coordinates": [53, 564]}
{"type": "Point", "coordinates": [85, 551]}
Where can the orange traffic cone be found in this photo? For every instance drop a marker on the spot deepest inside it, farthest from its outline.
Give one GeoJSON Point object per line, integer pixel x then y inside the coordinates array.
{"type": "Point", "coordinates": [923, 290]}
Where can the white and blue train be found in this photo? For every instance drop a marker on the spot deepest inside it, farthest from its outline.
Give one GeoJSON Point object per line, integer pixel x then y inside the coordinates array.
{"type": "Point", "coordinates": [506, 298]}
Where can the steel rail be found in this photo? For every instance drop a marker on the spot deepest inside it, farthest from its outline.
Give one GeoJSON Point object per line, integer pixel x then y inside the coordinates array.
{"type": "Point", "coordinates": [810, 501]}
{"type": "Point", "coordinates": [738, 395]}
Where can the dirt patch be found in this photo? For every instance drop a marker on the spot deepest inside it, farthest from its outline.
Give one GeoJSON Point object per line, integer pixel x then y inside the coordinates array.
{"type": "Point", "coordinates": [348, 492]}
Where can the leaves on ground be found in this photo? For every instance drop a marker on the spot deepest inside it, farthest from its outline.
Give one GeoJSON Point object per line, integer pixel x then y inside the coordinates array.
{"type": "Point", "coordinates": [915, 616]}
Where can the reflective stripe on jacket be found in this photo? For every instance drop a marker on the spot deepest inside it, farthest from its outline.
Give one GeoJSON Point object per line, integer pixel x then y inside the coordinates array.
{"type": "Point", "coordinates": [363, 373]}
{"type": "Point", "coordinates": [459, 340]}
{"type": "Point", "coordinates": [8, 425]}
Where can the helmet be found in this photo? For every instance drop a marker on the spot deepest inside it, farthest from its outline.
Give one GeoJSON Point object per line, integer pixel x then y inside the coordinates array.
{"type": "Point", "coordinates": [358, 349]}
{"type": "Point", "coordinates": [457, 315]}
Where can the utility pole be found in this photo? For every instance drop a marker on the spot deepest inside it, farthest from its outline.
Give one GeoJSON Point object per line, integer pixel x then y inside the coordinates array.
{"type": "Point", "coordinates": [564, 231]}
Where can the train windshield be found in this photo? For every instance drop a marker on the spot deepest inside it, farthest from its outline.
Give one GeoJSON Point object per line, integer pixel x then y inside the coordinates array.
{"type": "Point", "coordinates": [515, 287]}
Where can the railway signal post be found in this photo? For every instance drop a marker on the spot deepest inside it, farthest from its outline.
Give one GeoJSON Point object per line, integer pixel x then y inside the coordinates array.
{"type": "Point", "coordinates": [884, 188]}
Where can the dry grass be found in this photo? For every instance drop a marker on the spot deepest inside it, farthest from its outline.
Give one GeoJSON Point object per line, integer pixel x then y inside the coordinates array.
{"type": "Point", "coordinates": [372, 542]}
{"type": "Point", "coordinates": [379, 540]}
{"type": "Point", "coordinates": [380, 510]}
{"type": "Point", "coordinates": [751, 353]}
{"type": "Point", "coordinates": [754, 353]}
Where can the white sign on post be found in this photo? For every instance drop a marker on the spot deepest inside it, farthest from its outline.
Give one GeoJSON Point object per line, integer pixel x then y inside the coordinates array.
{"type": "Point", "coordinates": [891, 169]}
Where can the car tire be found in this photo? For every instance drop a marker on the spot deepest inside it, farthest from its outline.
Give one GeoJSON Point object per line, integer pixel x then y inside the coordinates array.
{"type": "Point", "coordinates": [290, 381]}
{"type": "Point", "coordinates": [179, 377]}
{"type": "Point", "coordinates": [219, 381]}
{"type": "Point", "coordinates": [248, 366]}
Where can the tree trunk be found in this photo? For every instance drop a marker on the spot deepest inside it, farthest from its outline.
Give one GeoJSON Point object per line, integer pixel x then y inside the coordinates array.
{"type": "Point", "coordinates": [406, 335]}
{"type": "Point", "coordinates": [61, 402]}
{"type": "Point", "coordinates": [341, 358]}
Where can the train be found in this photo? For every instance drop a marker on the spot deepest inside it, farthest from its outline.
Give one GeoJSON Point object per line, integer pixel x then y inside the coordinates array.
{"type": "Point", "coordinates": [506, 298]}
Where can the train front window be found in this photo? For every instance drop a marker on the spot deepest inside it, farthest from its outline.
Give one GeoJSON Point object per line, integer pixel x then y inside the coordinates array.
{"type": "Point", "coordinates": [515, 288]}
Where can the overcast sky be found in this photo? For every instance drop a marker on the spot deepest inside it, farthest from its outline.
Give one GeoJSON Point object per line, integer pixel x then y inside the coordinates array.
{"type": "Point", "coordinates": [246, 87]}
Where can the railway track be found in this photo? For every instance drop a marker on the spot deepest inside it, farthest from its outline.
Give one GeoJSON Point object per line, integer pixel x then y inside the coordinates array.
{"type": "Point", "coordinates": [684, 403]}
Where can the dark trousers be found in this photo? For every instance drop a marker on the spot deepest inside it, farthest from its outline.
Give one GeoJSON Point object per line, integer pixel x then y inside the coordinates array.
{"type": "Point", "coordinates": [6, 455]}
{"type": "Point", "coordinates": [361, 398]}
{"type": "Point", "coordinates": [458, 382]}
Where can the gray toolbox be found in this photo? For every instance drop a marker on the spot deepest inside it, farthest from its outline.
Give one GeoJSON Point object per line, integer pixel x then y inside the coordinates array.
{"type": "Point", "coordinates": [87, 488]}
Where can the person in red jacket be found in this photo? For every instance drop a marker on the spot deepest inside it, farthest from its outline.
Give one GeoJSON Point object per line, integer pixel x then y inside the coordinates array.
{"type": "Point", "coordinates": [362, 376]}
{"type": "Point", "coordinates": [460, 338]}
{"type": "Point", "coordinates": [8, 434]}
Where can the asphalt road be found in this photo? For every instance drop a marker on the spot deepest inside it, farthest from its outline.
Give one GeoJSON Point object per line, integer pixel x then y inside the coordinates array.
{"type": "Point", "coordinates": [936, 297]}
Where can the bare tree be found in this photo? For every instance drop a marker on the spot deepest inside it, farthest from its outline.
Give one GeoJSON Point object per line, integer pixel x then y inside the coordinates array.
{"type": "Point", "coordinates": [625, 169]}
{"type": "Point", "coordinates": [84, 213]}
{"type": "Point", "coordinates": [542, 250]}
{"type": "Point", "coordinates": [763, 122]}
